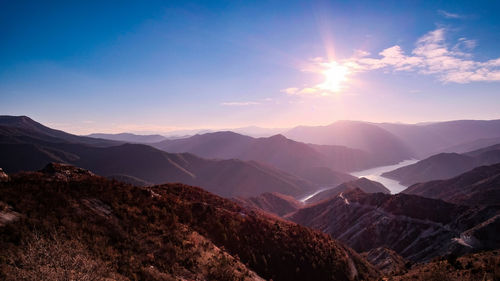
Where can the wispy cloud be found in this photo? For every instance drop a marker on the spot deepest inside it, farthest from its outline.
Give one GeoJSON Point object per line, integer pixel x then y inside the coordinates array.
{"type": "Point", "coordinates": [240, 103]}
{"type": "Point", "coordinates": [290, 91]}
{"type": "Point", "coordinates": [449, 15]}
{"type": "Point", "coordinates": [430, 56]}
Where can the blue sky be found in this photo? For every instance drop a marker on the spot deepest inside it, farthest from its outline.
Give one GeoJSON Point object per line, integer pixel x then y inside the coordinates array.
{"type": "Point", "coordinates": [90, 66]}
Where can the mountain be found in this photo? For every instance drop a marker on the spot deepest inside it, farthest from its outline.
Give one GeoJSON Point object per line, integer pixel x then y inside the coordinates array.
{"type": "Point", "coordinates": [66, 223]}
{"type": "Point", "coordinates": [12, 126]}
{"type": "Point", "coordinates": [342, 158]}
{"type": "Point", "coordinates": [273, 203]}
{"type": "Point", "coordinates": [440, 166]}
{"type": "Point", "coordinates": [384, 147]}
{"type": "Point", "coordinates": [472, 145]}
{"type": "Point", "coordinates": [363, 184]}
{"type": "Point", "coordinates": [417, 228]}
{"type": "Point", "coordinates": [445, 165]}
{"type": "Point", "coordinates": [386, 260]}
{"type": "Point", "coordinates": [481, 186]}
{"type": "Point", "coordinates": [131, 138]}
{"type": "Point", "coordinates": [278, 151]}
{"type": "Point", "coordinates": [258, 132]}
{"type": "Point", "coordinates": [432, 138]}
{"type": "Point", "coordinates": [23, 148]}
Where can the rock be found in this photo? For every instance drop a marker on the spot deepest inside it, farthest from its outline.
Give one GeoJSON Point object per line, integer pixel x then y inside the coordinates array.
{"type": "Point", "coordinates": [65, 171]}
{"type": "Point", "coordinates": [3, 176]}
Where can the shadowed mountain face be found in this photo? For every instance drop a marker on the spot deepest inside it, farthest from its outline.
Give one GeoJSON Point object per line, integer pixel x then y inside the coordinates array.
{"type": "Point", "coordinates": [481, 186]}
{"type": "Point", "coordinates": [452, 136]}
{"type": "Point", "coordinates": [25, 149]}
{"type": "Point", "coordinates": [363, 184]}
{"type": "Point", "coordinates": [95, 229]}
{"type": "Point", "coordinates": [17, 126]}
{"type": "Point", "coordinates": [384, 147]}
{"type": "Point", "coordinates": [278, 151]}
{"type": "Point", "coordinates": [131, 138]}
{"type": "Point", "coordinates": [417, 228]}
{"type": "Point", "coordinates": [444, 165]}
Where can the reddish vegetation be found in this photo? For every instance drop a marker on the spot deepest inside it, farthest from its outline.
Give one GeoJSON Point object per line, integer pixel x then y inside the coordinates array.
{"type": "Point", "coordinates": [386, 260]}
{"type": "Point", "coordinates": [480, 266]}
{"type": "Point", "coordinates": [274, 203]}
{"type": "Point", "coordinates": [126, 232]}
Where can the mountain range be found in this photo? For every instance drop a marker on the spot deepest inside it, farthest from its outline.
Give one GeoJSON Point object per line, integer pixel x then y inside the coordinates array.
{"type": "Point", "coordinates": [27, 145]}
{"type": "Point", "coordinates": [127, 207]}
{"type": "Point", "coordinates": [417, 228]}
{"type": "Point", "coordinates": [128, 137]}
{"type": "Point", "coordinates": [285, 154]}
{"type": "Point", "coordinates": [445, 165]}
{"type": "Point", "coordinates": [480, 186]}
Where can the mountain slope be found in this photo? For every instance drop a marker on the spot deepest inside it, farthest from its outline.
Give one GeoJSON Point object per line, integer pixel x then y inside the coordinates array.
{"type": "Point", "coordinates": [24, 149]}
{"type": "Point", "coordinates": [166, 232]}
{"type": "Point", "coordinates": [273, 203]}
{"type": "Point", "coordinates": [433, 138]}
{"type": "Point", "coordinates": [440, 166]}
{"type": "Point", "coordinates": [417, 228]}
{"type": "Point", "coordinates": [131, 138]}
{"type": "Point", "coordinates": [363, 184]}
{"type": "Point", "coordinates": [10, 124]}
{"type": "Point", "coordinates": [445, 165]}
{"type": "Point", "coordinates": [481, 186]}
{"type": "Point", "coordinates": [278, 151]}
{"type": "Point", "coordinates": [384, 147]}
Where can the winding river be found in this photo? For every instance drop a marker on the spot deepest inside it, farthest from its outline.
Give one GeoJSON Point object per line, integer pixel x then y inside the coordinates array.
{"type": "Point", "coordinates": [375, 175]}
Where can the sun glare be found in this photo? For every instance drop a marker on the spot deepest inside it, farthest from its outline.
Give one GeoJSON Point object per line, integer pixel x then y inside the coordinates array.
{"type": "Point", "coordinates": [335, 74]}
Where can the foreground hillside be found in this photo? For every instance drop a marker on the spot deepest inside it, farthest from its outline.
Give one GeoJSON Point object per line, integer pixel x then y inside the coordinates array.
{"type": "Point", "coordinates": [66, 223]}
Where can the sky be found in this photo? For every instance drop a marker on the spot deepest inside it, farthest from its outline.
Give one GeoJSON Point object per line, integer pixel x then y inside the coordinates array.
{"type": "Point", "coordinates": [158, 66]}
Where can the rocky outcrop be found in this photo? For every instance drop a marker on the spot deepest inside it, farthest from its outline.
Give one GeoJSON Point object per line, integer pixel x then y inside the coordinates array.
{"type": "Point", "coordinates": [65, 172]}
{"type": "Point", "coordinates": [3, 176]}
{"type": "Point", "coordinates": [386, 260]}
{"type": "Point", "coordinates": [417, 228]}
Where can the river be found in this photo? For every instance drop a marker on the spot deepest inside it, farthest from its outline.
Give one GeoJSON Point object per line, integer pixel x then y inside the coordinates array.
{"type": "Point", "coordinates": [375, 175]}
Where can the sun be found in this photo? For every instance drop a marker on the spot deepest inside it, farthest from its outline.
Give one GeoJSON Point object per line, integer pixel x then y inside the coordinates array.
{"type": "Point", "coordinates": [335, 75]}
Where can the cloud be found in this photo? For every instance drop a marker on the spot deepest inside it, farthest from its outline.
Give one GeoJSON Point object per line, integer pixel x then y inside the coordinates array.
{"type": "Point", "coordinates": [290, 91]}
{"type": "Point", "coordinates": [432, 56]}
{"type": "Point", "coordinates": [240, 103]}
{"type": "Point", "coordinates": [449, 15]}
